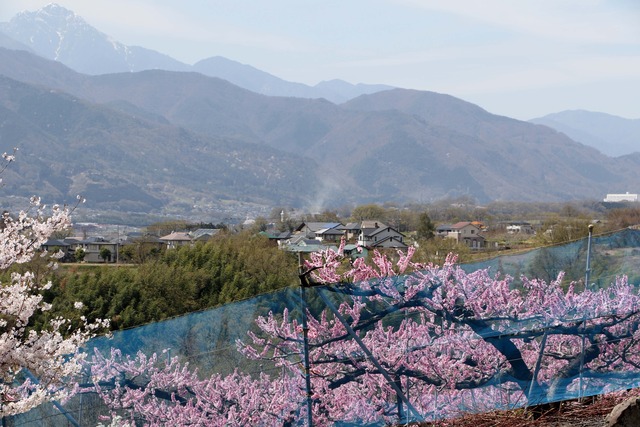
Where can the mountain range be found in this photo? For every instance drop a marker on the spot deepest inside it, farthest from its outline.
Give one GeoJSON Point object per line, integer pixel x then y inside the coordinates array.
{"type": "Point", "coordinates": [180, 142]}
{"type": "Point", "coordinates": [57, 33]}
{"type": "Point", "coordinates": [131, 163]}
{"type": "Point", "coordinates": [612, 135]}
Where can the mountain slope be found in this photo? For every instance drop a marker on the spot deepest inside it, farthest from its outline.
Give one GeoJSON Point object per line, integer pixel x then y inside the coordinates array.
{"type": "Point", "coordinates": [447, 145]}
{"type": "Point", "coordinates": [397, 145]}
{"type": "Point", "coordinates": [68, 146]}
{"type": "Point", "coordinates": [7, 42]}
{"type": "Point", "coordinates": [251, 78]}
{"type": "Point", "coordinates": [58, 34]}
{"type": "Point", "coordinates": [612, 135]}
{"type": "Point", "coordinates": [506, 155]}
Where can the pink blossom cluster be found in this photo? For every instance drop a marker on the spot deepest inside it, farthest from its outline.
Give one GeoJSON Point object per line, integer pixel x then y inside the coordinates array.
{"type": "Point", "coordinates": [165, 392]}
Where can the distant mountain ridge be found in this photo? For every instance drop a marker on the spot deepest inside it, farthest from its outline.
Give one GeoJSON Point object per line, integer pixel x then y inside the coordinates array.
{"type": "Point", "coordinates": [398, 145]}
{"type": "Point", "coordinates": [612, 135]}
{"type": "Point", "coordinates": [122, 163]}
{"type": "Point", "coordinates": [57, 33]}
{"type": "Point", "coordinates": [248, 77]}
{"type": "Point", "coordinates": [170, 139]}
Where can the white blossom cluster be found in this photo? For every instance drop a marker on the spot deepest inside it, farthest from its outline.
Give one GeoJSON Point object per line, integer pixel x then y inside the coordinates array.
{"type": "Point", "coordinates": [35, 366]}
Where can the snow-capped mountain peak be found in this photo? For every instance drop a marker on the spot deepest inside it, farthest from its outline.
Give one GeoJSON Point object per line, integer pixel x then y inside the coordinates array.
{"type": "Point", "coordinates": [57, 33]}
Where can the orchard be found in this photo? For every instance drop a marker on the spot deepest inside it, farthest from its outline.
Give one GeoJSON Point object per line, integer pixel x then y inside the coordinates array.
{"type": "Point", "coordinates": [406, 342]}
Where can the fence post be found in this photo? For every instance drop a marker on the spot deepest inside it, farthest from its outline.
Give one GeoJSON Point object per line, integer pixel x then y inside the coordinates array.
{"type": "Point", "coordinates": [304, 284]}
{"type": "Point", "coordinates": [584, 323]}
{"type": "Point", "coordinates": [406, 349]}
{"type": "Point", "coordinates": [536, 370]}
{"type": "Point", "coordinates": [588, 269]}
{"type": "Point", "coordinates": [580, 379]}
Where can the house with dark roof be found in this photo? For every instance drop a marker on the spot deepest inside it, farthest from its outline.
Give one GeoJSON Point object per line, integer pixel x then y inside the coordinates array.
{"type": "Point", "coordinates": [322, 231]}
{"type": "Point", "coordinates": [330, 234]}
{"type": "Point", "coordinates": [93, 247]}
{"type": "Point", "coordinates": [355, 251]}
{"type": "Point", "coordinates": [307, 246]}
{"type": "Point", "coordinates": [277, 237]}
{"type": "Point", "coordinates": [375, 234]}
{"type": "Point", "coordinates": [55, 245]}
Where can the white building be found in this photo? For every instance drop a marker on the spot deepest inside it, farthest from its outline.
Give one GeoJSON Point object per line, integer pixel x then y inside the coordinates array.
{"type": "Point", "coordinates": [621, 197]}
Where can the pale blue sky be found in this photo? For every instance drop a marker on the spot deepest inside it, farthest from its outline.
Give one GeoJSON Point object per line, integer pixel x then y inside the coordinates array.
{"type": "Point", "coordinates": [519, 58]}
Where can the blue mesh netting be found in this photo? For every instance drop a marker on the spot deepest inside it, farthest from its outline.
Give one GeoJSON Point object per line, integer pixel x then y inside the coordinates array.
{"type": "Point", "coordinates": [207, 340]}
{"type": "Point", "coordinates": [611, 255]}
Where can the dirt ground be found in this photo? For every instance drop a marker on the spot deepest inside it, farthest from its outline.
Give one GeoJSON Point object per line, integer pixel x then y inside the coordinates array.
{"type": "Point", "coordinates": [591, 412]}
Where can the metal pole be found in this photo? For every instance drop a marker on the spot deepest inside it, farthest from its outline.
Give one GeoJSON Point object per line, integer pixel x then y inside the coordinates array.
{"type": "Point", "coordinates": [588, 269]}
{"type": "Point", "coordinates": [584, 323]}
{"type": "Point", "coordinates": [580, 391]}
{"type": "Point", "coordinates": [305, 338]}
{"type": "Point", "coordinates": [406, 349]}
{"type": "Point", "coordinates": [366, 351]}
{"type": "Point", "coordinates": [536, 370]}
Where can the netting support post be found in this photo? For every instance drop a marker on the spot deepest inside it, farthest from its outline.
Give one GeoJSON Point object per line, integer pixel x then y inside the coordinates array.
{"type": "Point", "coordinates": [536, 370]}
{"type": "Point", "coordinates": [305, 338]}
{"type": "Point", "coordinates": [580, 380]}
{"type": "Point", "coordinates": [587, 274]}
{"type": "Point", "coordinates": [368, 353]}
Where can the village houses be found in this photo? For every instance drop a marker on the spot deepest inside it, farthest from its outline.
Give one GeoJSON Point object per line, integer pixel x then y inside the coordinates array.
{"type": "Point", "coordinates": [360, 237]}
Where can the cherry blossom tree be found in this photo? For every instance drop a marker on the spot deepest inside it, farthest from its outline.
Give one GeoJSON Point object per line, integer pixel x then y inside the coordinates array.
{"type": "Point", "coordinates": [400, 341]}
{"type": "Point", "coordinates": [34, 364]}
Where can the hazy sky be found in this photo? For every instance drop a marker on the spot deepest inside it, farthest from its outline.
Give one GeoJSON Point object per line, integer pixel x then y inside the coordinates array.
{"type": "Point", "coordinates": [519, 58]}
